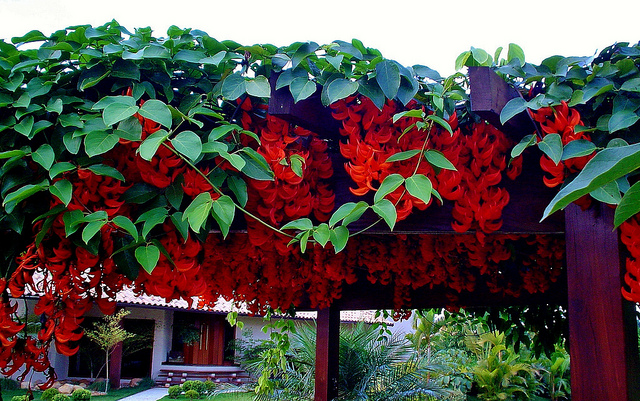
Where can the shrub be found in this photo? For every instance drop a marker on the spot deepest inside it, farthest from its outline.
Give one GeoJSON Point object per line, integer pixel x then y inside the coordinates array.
{"type": "Point", "coordinates": [8, 384]}
{"type": "Point", "coordinates": [191, 394]}
{"type": "Point", "coordinates": [98, 385]}
{"type": "Point", "coordinates": [175, 391]}
{"type": "Point", "coordinates": [20, 398]}
{"type": "Point", "coordinates": [210, 386]}
{"type": "Point", "coordinates": [147, 382]}
{"type": "Point", "coordinates": [60, 397]}
{"type": "Point", "coordinates": [81, 395]}
{"type": "Point", "coordinates": [196, 385]}
{"type": "Point", "coordinates": [48, 394]}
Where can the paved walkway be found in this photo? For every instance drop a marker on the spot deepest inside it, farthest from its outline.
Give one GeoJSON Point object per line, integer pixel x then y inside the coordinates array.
{"type": "Point", "coordinates": [152, 394]}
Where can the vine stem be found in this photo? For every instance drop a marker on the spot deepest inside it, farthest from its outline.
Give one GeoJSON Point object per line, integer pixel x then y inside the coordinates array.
{"type": "Point", "coordinates": [219, 192]}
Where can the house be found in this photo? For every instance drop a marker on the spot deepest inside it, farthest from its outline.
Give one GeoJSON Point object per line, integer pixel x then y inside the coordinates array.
{"type": "Point", "coordinates": [174, 342]}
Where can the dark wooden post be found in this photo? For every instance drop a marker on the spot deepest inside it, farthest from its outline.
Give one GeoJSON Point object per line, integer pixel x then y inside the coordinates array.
{"type": "Point", "coordinates": [115, 366]}
{"type": "Point", "coordinates": [327, 353]}
{"type": "Point", "coordinates": [602, 330]}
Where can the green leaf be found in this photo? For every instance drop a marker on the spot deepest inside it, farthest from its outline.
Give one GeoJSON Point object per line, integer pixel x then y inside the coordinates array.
{"type": "Point", "coordinates": [44, 156]}
{"type": "Point", "coordinates": [608, 193]}
{"type": "Point", "coordinates": [415, 113]}
{"type": "Point", "coordinates": [551, 145]}
{"type": "Point", "coordinates": [341, 88]}
{"type": "Point", "coordinates": [481, 56]}
{"type": "Point", "coordinates": [339, 237]}
{"type": "Point", "coordinates": [387, 211]}
{"type": "Point", "coordinates": [513, 107]}
{"type": "Point", "coordinates": [388, 77]}
{"type": "Point", "coordinates": [91, 229]}
{"type": "Point", "coordinates": [152, 218]}
{"type": "Point", "coordinates": [441, 122]}
{"type": "Point", "coordinates": [236, 160]}
{"type": "Point", "coordinates": [181, 225]}
{"type": "Point", "coordinates": [198, 211]}
{"type": "Point", "coordinates": [256, 166]}
{"type": "Point", "coordinates": [156, 110]}
{"type": "Point", "coordinates": [62, 190]}
{"type": "Point", "coordinates": [149, 146]}
{"type": "Point", "coordinates": [525, 142]}
{"type": "Point", "coordinates": [515, 51]}
{"type": "Point", "coordinates": [301, 88]}
{"type": "Point", "coordinates": [127, 225]}
{"type": "Point", "coordinates": [438, 160]}
{"type": "Point", "coordinates": [259, 87]}
{"type": "Point", "coordinates": [222, 131]}
{"type": "Point", "coordinates": [400, 156]}
{"type": "Point", "coordinates": [321, 234]}
{"type": "Point", "coordinates": [578, 148]}
{"type": "Point", "coordinates": [607, 165]}
{"type": "Point", "coordinates": [17, 196]}
{"type": "Point", "coordinates": [189, 144]}
{"type": "Point", "coordinates": [60, 168]}
{"type": "Point", "coordinates": [13, 153]}
{"type": "Point", "coordinates": [420, 187]}
{"type": "Point", "coordinates": [140, 193]}
{"type": "Point", "coordinates": [239, 187]}
{"type": "Point", "coordinates": [388, 185]}
{"type": "Point", "coordinates": [302, 224]}
{"type": "Point", "coordinates": [99, 142]}
{"type": "Point", "coordinates": [356, 213]}
{"type": "Point", "coordinates": [343, 211]}
{"type": "Point", "coordinates": [304, 51]}
{"type": "Point", "coordinates": [304, 239]}
{"type": "Point", "coordinates": [297, 162]}
{"type": "Point", "coordinates": [92, 76]}
{"type": "Point", "coordinates": [116, 112]}
{"type": "Point", "coordinates": [108, 171]}
{"type": "Point", "coordinates": [621, 120]}
{"type": "Point", "coordinates": [629, 205]}
{"type": "Point", "coordinates": [24, 126]}
{"type": "Point", "coordinates": [223, 212]}
{"type": "Point", "coordinates": [631, 85]}
{"type": "Point", "coordinates": [148, 257]}
{"type": "Point", "coordinates": [233, 86]}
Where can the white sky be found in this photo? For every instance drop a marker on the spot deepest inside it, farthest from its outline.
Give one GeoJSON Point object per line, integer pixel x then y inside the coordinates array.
{"type": "Point", "coordinates": [432, 33]}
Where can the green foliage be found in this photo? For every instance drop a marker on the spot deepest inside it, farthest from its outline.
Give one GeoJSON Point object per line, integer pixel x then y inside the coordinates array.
{"type": "Point", "coordinates": [61, 397]}
{"type": "Point", "coordinates": [174, 391]}
{"type": "Point", "coordinates": [20, 398]}
{"type": "Point", "coordinates": [8, 384]}
{"type": "Point", "coordinates": [48, 394]}
{"type": "Point", "coordinates": [191, 394]}
{"type": "Point", "coordinates": [81, 395]}
{"type": "Point", "coordinates": [501, 373]}
{"type": "Point", "coordinates": [555, 375]}
{"type": "Point", "coordinates": [146, 382]}
{"type": "Point", "coordinates": [194, 385]}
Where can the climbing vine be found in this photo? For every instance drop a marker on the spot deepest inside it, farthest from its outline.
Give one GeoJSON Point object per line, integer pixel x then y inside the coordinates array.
{"type": "Point", "coordinates": [154, 163]}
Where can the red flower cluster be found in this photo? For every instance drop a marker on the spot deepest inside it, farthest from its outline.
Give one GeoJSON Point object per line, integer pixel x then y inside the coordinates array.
{"type": "Point", "coordinates": [479, 154]}
{"type": "Point", "coordinates": [561, 120]}
{"type": "Point", "coordinates": [630, 237]}
{"type": "Point", "coordinates": [292, 194]}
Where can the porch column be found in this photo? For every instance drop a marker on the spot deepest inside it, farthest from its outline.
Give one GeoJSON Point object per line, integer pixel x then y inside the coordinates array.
{"type": "Point", "coordinates": [115, 366]}
{"type": "Point", "coordinates": [327, 354]}
{"type": "Point", "coordinates": [602, 327]}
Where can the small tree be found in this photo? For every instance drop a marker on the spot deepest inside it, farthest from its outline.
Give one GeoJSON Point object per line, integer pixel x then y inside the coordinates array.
{"type": "Point", "coordinates": [107, 334]}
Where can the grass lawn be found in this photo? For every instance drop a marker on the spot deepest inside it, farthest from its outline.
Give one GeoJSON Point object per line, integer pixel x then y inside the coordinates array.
{"type": "Point", "coordinates": [220, 397]}
{"type": "Point", "coordinates": [112, 396]}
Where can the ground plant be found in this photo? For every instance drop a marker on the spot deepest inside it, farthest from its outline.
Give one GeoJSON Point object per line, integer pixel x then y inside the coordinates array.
{"type": "Point", "coordinates": [128, 159]}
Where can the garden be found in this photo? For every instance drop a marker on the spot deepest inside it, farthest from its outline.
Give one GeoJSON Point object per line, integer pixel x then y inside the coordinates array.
{"type": "Point", "coordinates": [283, 178]}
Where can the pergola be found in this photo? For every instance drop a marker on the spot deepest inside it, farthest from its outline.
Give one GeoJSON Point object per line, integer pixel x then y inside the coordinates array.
{"type": "Point", "coordinates": [603, 338]}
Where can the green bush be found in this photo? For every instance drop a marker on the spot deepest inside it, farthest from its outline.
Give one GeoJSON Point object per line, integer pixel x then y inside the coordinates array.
{"type": "Point", "coordinates": [209, 386]}
{"type": "Point", "coordinates": [20, 398]}
{"type": "Point", "coordinates": [97, 385]}
{"type": "Point", "coordinates": [191, 394]}
{"type": "Point", "coordinates": [81, 395]}
{"type": "Point", "coordinates": [147, 382]}
{"type": "Point", "coordinates": [195, 385]}
{"type": "Point", "coordinates": [48, 394]}
{"type": "Point", "coordinates": [8, 384]}
{"type": "Point", "coordinates": [60, 397]}
{"type": "Point", "coordinates": [175, 391]}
